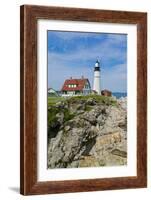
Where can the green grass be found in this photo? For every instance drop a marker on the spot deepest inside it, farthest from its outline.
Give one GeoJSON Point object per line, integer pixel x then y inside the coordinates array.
{"type": "Point", "coordinates": [52, 111]}
{"type": "Point", "coordinates": [98, 98]}
{"type": "Point", "coordinates": [52, 114]}
{"type": "Point", "coordinates": [54, 100]}
{"type": "Point", "coordinates": [88, 108]}
{"type": "Point", "coordinates": [68, 115]}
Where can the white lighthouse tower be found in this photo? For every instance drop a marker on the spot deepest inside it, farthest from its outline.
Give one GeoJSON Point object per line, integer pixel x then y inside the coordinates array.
{"type": "Point", "coordinates": [96, 83]}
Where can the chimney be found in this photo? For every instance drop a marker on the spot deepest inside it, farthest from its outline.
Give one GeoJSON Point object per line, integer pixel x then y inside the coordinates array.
{"type": "Point", "coordinates": [82, 77]}
{"type": "Point", "coordinates": [71, 77]}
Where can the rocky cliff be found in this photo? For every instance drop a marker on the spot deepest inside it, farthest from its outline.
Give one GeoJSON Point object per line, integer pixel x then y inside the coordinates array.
{"type": "Point", "coordinates": [88, 131]}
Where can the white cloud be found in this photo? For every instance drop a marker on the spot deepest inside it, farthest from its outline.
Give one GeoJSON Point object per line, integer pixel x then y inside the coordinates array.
{"type": "Point", "coordinates": [64, 65]}
{"type": "Point", "coordinates": [105, 51]}
{"type": "Point", "coordinates": [117, 39]}
{"type": "Point", "coordinates": [66, 35]}
{"type": "Point", "coordinates": [115, 79]}
{"type": "Point", "coordinates": [59, 71]}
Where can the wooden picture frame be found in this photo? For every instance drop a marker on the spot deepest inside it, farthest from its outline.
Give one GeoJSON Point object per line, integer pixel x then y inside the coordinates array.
{"type": "Point", "coordinates": [29, 14]}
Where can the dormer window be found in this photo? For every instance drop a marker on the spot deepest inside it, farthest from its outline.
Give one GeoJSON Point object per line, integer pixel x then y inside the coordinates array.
{"type": "Point", "coordinates": [72, 85]}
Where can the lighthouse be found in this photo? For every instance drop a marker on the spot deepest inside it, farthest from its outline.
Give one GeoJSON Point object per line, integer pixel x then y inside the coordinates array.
{"type": "Point", "coordinates": [96, 83]}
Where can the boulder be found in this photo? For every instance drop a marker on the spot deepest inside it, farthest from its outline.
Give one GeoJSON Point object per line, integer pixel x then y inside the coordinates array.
{"type": "Point", "coordinates": [106, 93]}
{"type": "Point", "coordinates": [89, 136]}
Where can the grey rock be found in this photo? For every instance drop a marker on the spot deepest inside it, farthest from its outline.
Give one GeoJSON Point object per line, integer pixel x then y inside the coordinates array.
{"type": "Point", "coordinates": [91, 101]}
{"type": "Point", "coordinates": [60, 117]}
{"type": "Point", "coordinates": [91, 137]}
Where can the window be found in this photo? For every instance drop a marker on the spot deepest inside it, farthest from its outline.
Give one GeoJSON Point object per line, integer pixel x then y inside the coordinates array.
{"type": "Point", "coordinates": [72, 85]}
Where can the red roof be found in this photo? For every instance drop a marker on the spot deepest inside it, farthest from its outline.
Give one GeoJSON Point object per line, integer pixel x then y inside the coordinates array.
{"type": "Point", "coordinates": [80, 83]}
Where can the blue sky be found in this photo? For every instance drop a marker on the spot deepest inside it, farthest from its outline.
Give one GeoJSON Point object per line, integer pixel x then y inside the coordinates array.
{"type": "Point", "coordinates": [73, 54]}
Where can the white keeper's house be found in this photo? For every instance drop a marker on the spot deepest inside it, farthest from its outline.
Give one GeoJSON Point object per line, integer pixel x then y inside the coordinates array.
{"type": "Point", "coordinates": [73, 87]}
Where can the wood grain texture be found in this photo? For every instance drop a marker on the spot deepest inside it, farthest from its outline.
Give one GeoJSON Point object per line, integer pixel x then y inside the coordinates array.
{"type": "Point", "coordinates": [28, 123]}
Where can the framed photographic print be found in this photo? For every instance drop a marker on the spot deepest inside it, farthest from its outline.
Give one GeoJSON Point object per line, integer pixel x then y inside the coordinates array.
{"type": "Point", "coordinates": [83, 100]}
